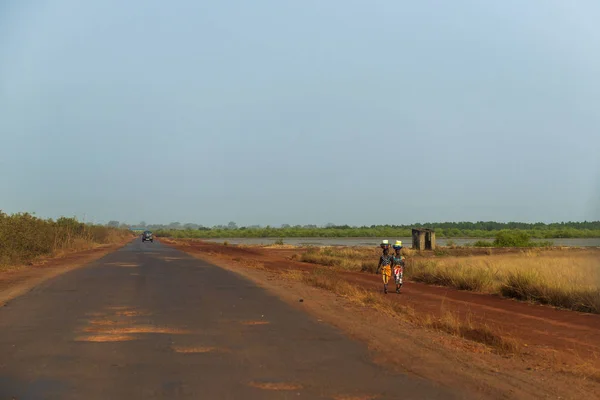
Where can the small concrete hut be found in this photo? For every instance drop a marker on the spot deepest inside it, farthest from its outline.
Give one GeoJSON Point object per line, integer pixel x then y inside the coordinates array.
{"type": "Point", "coordinates": [423, 239]}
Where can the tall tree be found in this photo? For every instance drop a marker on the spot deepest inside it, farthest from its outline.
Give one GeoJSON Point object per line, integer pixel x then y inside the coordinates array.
{"type": "Point", "coordinates": [232, 225]}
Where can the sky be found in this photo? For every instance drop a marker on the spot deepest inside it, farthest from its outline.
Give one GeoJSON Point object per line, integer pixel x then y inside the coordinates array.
{"type": "Point", "coordinates": [300, 112]}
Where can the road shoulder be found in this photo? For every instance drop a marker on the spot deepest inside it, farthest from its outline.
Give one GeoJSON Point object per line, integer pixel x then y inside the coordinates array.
{"type": "Point", "coordinates": [16, 281]}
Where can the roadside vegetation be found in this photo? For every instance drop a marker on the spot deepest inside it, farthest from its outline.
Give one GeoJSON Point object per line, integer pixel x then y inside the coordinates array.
{"type": "Point", "coordinates": [562, 278]}
{"type": "Point", "coordinates": [447, 322]}
{"type": "Point", "coordinates": [363, 259]}
{"type": "Point", "coordinates": [568, 278]}
{"type": "Point", "coordinates": [24, 237]}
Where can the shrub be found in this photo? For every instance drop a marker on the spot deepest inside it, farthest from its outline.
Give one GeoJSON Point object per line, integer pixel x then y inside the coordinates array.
{"type": "Point", "coordinates": [512, 239]}
{"type": "Point", "coordinates": [23, 237]}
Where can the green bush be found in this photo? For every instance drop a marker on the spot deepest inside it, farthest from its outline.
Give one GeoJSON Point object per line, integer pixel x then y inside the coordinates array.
{"type": "Point", "coordinates": [512, 239]}
{"type": "Point", "coordinates": [483, 243]}
{"type": "Point", "coordinates": [23, 237]}
{"type": "Point", "coordinates": [451, 243]}
{"type": "Point", "coordinates": [517, 239]}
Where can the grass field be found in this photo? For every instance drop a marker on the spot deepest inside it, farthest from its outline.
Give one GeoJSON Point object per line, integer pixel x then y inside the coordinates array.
{"type": "Point", "coordinates": [568, 278]}
{"type": "Point", "coordinates": [24, 237]}
{"type": "Point", "coordinates": [562, 278]}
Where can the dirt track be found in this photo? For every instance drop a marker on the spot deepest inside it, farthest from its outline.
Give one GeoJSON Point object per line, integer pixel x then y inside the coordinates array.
{"type": "Point", "coordinates": [563, 336]}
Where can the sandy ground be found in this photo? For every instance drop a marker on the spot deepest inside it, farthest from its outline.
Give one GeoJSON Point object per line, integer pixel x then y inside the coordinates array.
{"type": "Point", "coordinates": [558, 356]}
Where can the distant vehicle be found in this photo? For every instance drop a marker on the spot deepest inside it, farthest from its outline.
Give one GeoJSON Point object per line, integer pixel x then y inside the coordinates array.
{"type": "Point", "coordinates": [147, 236]}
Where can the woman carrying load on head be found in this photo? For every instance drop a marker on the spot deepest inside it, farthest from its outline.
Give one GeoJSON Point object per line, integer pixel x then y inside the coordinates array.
{"type": "Point", "coordinates": [385, 264]}
{"type": "Point", "coordinates": [398, 265]}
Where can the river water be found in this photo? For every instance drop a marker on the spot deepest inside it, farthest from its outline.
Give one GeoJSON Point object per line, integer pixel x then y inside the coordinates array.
{"type": "Point", "coordinates": [406, 241]}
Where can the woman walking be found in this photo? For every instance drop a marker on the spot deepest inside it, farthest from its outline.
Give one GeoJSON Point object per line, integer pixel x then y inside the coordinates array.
{"type": "Point", "coordinates": [398, 265]}
{"type": "Point", "coordinates": [385, 265]}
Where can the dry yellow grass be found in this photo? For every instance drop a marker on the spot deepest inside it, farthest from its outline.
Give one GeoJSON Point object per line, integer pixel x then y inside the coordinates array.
{"type": "Point", "coordinates": [448, 323]}
{"type": "Point", "coordinates": [292, 275]}
{"type": "Point", "coordinates": [347, 258]}
{"type": "Point", "coordinates": [249, 263]}
{"type": "Point", "coordinates": [562, 278]}
{"type": "Point", "coordinates": [567, 278]}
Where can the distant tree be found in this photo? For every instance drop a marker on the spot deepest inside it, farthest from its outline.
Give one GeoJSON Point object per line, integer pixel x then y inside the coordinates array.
{"type": "Point", "coordinates": [142, 224]}
{"type": "Point", "coordinates": [329, 225]}
{"type": "Point", "coordinates": [190, 227]}
{"type": "Point", "coordinates": [123, 225]}
{"type": "Point", "coordinates": [113, 224]}
{"type": "Point", "coordinates": [342, 227]}
{"type": "Point", "coordinates": [232, 225]}
{"type": "Point", "coordinates": [175, 225]}
{"type": "Point", "coordinates": [285, 226]}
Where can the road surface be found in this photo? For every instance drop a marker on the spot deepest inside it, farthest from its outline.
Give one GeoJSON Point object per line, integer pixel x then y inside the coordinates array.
{"type": "Point", "coordinates": [150, 322]}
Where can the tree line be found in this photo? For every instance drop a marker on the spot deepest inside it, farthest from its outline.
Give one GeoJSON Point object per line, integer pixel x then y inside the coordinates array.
{"type": "Point", "coordinates": [482, 229]}
{"type": "Point", "coordinates": [446, 226]}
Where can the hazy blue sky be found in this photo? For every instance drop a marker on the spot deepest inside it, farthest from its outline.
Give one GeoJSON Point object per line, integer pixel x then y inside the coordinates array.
{"type": "Point", "coordinates": [312, 111]}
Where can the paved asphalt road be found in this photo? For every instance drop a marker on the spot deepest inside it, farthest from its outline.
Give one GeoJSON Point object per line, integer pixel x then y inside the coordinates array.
{"type": "Point", "coordinates": [150, 322]}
